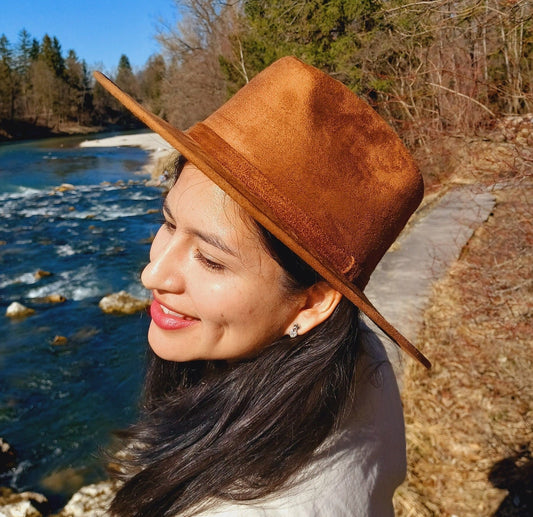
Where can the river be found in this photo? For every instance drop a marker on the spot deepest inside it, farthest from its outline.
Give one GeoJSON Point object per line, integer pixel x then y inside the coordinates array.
{"type": "Point", "coordinates": [59, 404]}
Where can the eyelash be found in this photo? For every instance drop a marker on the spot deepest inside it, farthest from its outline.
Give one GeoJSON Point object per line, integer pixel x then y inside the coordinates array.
{"type": "Point", "coordinates": [168, 225]}
{"type": "Point", "coordinates": [209, 264]}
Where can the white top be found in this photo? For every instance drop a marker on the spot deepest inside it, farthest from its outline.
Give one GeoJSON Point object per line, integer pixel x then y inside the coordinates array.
{"type": "Point", "coordinates": [359, 469]}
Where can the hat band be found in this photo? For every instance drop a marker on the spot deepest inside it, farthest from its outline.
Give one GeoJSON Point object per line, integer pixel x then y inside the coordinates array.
{"type": "Point", "coordinates": [289, 218]}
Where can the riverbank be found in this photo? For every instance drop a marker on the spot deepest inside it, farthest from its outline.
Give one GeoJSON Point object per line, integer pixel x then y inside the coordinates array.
{"type": "Point", "coordinates": [20, 130]}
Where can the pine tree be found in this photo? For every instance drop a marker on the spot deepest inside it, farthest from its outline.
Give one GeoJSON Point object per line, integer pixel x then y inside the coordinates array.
{"type": "Point", "coordinates": [74, 78]}
{"type": "Point", "coordinates": [151, 82]}
{"type": "Point", "coordinates": [7, 80]}
{"type": "Point", "coordinates": [58, 63]}
{"type": "Point", "coordinates": [328, 34]}
{"type": "Point", "coordinates": [50, 92]}
{"type": "Point", "coordinates": [125, 77]}
{"type": "Point", "coordinates": [35, 49]}
{"type": "Point", "coordinates": [23, 61]}
{"type": "Point", "coordinates": [50, 54]}
{"type": "Point", "coordinates": [24, 53]}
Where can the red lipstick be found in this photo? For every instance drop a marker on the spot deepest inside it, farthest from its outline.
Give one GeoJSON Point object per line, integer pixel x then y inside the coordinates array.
{"type": "Point", "coordinates": [167, 319]}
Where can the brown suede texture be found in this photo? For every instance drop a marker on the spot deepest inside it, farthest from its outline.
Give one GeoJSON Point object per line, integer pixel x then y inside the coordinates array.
{"type": "Point", "coordinates": [320, 161]}
{"type": "Point", "coordinates": [314, 164]}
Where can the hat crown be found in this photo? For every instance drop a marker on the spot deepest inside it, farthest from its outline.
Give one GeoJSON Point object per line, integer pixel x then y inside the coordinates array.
{"type": "Point", "coordinates": [322, 162]}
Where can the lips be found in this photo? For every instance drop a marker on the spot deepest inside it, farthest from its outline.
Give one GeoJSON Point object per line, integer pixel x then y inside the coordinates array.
{"type": "Point", "coordinates": [167, 319]}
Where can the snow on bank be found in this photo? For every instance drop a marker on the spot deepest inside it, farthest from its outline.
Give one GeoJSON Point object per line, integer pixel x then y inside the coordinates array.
{"type": "Point", "coordinates": [151, 142]}
{"type": "Point", "coordinates": [147, 141]}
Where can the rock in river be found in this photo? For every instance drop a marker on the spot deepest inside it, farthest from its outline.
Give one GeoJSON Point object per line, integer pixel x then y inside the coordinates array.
{"type": "Point", "coordinates": [17, 310]}
{"type": "Point", "coordinates": [13, 504]}
{"type": "Point", "coordinates": [41, 274]}
{"type": "Point", "coordinates": [25, 504]}
{"type": "Point", "coordinates": [64, 187]}
{"type": "Point", "coordinates": [52, 298]}
{"type": "Point", "coordinates": [90, 501]}
{"type": "Point", "coordinates": [59, 341]}
{"type": "Point", "coordinates": [122, 303]}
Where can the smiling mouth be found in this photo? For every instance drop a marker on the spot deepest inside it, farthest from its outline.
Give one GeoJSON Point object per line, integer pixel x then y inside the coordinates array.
{"type": "Point", "coordinates": [167, 319]}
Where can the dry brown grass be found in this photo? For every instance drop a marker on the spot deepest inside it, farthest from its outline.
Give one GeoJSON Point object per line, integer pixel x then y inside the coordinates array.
{"type": "Point", "coordinates": [469, 420]}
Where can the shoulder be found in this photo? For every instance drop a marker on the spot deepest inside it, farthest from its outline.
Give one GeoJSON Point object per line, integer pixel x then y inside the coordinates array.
{"type": "Point", "coordinates": [356, 473]}
{"type": "Point", "coordinates": [366, 461]}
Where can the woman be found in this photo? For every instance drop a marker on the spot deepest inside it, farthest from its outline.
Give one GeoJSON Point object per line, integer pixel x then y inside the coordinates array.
{"type": "Point", "coordinates": [265, 394]}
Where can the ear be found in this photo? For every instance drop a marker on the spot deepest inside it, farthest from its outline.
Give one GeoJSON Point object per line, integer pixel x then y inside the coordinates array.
{"type": "Point", "coordinates": [318, 303]}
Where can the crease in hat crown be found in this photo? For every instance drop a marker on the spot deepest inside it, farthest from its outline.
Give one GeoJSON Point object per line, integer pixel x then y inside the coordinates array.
{"type": "Point", "coordinates": [314, 164]}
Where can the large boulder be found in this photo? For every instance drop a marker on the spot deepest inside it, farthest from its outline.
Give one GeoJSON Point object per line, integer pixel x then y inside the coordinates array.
{"type": "Point", "coordinates": [122, 303]}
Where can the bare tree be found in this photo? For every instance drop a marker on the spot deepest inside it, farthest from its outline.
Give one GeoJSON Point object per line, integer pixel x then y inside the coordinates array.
{"type": "Point", "coordinates": [460, 61]}
{"type": "Point", "coordinates": [195, 84]}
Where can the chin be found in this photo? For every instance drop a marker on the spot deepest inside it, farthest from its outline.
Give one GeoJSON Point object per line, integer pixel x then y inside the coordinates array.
{"type": "Point", "coordinates": [168, 347]}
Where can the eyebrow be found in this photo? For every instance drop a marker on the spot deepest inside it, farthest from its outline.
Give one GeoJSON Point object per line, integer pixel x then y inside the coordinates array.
{"type": "Point", "coordinates": [209, 238]}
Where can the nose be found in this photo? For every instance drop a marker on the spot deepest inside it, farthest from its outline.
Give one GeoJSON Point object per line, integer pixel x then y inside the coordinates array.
{"type": "Point", "coordinates": [164, 271]}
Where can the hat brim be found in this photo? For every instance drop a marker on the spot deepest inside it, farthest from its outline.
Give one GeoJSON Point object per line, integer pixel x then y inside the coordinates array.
{"type": "Point", "coordinates": [218, 173]}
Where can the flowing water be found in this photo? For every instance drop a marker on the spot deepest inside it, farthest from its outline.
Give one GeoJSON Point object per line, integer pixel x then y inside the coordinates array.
{"type": "Point", "coordinates": [59, 403]}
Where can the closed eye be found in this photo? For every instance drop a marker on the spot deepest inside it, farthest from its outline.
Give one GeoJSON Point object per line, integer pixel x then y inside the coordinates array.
{"type": "Point", "coordinates": [207, 263]}
{"type": "Point", "coordinates": [169, 225]}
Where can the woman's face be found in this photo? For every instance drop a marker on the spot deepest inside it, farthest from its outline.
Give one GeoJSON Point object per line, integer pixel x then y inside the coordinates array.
{"type": "Point", "coordinates": [217, 293]}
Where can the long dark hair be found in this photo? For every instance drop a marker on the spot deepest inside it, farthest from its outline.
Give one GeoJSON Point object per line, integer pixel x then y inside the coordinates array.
{"type": "Point", "coordinates": [217, 431]}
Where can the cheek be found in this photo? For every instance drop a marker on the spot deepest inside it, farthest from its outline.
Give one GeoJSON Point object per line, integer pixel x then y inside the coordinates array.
{"type": "Point", "coordinates": [266, 310]}
{"type": "Point", "coordinates": [223, 303]}
{"type": "Point", "coordinates": [256, 306]}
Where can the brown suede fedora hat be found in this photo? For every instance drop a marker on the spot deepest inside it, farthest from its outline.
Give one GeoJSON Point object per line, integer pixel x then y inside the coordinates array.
{"type": "Point", "coordinates": [312, 163]}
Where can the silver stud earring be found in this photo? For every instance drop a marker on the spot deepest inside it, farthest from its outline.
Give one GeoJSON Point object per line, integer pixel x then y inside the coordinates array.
{"type": "Point", "coordinates": [294, 330]}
